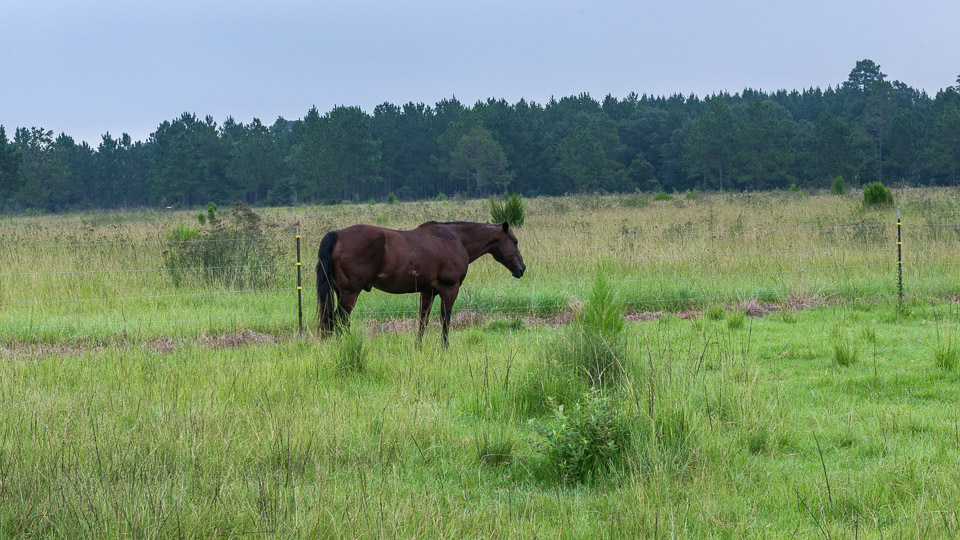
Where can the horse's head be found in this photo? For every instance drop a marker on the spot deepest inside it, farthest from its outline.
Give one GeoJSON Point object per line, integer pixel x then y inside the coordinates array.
{"type": "Point", "coordinates": [505, 251]}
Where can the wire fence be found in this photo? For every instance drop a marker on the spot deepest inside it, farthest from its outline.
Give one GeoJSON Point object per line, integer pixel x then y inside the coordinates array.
{"type": "Point", "coordinates": [26, 307]}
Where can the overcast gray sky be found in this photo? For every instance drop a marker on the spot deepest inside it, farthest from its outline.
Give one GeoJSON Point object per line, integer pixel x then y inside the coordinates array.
{"type": "Point", "coordinates": [87, 68]}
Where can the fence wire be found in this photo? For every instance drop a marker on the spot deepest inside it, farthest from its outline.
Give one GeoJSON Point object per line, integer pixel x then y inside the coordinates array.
{"type": "Point", "coordinates": [860, 249]}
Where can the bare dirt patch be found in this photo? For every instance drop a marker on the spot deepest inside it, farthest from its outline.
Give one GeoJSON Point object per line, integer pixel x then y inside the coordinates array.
{"type": "Point", "coordinates": [236, 339]}
{"type": "Point", "coordinates": [643, 316]}
{"type": "Point", "coordinates": [162, 345]}
{"type": "Point", "coordinates": [42, 351]}
{"type": "Point", "coordinates": [753, 308]}
{"type": "Point", "coordinates": [798, 302]}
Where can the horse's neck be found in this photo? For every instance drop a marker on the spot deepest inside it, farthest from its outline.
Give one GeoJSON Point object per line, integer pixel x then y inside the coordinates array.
{"type": "Point", "coordinates": [476, 239]}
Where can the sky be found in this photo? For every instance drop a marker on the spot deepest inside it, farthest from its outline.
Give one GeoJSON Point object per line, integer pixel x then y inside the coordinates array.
{"type": "Point", "coordinates": [124, 66]}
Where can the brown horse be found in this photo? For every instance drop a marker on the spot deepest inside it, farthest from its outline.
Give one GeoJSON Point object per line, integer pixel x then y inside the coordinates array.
{"type": "Point", "coordinates": [431, 260]}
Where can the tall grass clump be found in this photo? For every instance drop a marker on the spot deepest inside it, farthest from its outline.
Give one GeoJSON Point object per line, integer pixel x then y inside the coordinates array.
{"type": "Point", "coordinates": [230, 251]}
{"type": "Point", "coordinates": [735, 319]}
{"type": "Point", "coordinates": [946, 354]}
{"type": "Point", "coordinates": [636, 201]}
{"type": "Point", "coordinates": [663, 196]}
{"type": "Point", "coordinates": [593, 348]}
{"type": "Point", "coordinates": [877, 194]}
{"type": "Point", "coordinates": [587, 355]}
{"type": "Point", "coordinates": [351, 352]}
{"type": "Point", "coordinates": [845, 350]}
{"type": "Point", "coordinates": [585, 440]}
{"type": "Point", "coordinates": [494, 447]}
{"type": "Point", "coordinates": [510, 210]}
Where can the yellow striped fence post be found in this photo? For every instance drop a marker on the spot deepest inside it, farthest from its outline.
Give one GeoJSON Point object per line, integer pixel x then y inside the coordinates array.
{"type": "Point", "coordinates": [299, 283]}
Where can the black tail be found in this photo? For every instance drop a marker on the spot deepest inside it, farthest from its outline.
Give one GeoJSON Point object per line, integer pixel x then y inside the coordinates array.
{"type": "Point", "coordinates": [326, 303]}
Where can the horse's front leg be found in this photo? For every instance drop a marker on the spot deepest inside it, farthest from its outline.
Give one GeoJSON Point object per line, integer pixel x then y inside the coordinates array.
{"type": "Point", "coordinates": [448, 295]}
{"type": "Point", "coordinates": [426, 302]}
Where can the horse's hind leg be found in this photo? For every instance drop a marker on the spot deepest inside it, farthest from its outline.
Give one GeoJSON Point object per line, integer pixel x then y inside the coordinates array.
{"type": "Point", "coordinates": [346, 301]}
{"type": "Point", "coordinates": [426, 302]}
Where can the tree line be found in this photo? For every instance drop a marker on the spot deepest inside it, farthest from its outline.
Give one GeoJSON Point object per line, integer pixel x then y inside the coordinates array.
{"type": "Point", "coordinates": [866, 129]}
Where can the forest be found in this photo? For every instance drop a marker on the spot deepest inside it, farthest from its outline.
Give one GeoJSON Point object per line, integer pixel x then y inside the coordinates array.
{"type": "Point", "coordinates": [864, 129]}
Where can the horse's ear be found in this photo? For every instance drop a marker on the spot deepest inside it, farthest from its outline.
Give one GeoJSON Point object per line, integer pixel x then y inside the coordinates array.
{"type": "Point", "coordinates": [505, 226]}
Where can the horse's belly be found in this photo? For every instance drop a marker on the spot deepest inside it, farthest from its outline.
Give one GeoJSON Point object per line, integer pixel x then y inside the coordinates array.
{"type": "Point", "coordinates": [400, 284]}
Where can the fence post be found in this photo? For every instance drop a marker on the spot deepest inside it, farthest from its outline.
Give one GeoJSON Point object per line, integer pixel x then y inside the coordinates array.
{"type": "Point", "coordinates": [299, 284]}
{"type": "Point", "coordinates": [899, 264]}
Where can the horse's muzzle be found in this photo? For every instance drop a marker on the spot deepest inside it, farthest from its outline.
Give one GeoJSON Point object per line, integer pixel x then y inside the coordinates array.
{"type": "Point", "coordinates": [519, 270]}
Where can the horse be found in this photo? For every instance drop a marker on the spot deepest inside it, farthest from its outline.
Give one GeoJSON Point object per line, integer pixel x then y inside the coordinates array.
{"type": "Point", "coordinates": [431, 259]}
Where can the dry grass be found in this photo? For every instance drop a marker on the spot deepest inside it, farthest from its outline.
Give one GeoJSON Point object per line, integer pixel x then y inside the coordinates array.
{"type": "Point", "coordinates": [104, 271]}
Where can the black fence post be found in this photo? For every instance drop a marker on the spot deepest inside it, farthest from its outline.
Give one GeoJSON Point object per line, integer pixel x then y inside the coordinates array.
{"type": "Point", "coordinates": [299, 283]}
{"type": "Point", "coordinates": [899, 264]}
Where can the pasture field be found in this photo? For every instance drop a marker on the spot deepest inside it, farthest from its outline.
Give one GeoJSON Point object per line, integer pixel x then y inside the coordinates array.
{"type": "Point", "coordinates": [130, 406]}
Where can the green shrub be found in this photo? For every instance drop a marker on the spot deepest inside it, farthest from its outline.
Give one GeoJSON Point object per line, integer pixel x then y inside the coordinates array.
{"type": "Point", "coordinates": [691, 195]}
{"type": "Point", "coordinates": [583, 441]}
{"type": "Point", "coordinates": [225, 252]}
{"type": "Point", "coordinates": [510, 210]}
{"type": "Point", "coordinates": [441, 196]}
{"type": "Point", "coordinates": [663, 196]}
{"type": "Point", "coordinates": [838, 187]}
{"type": "Point", "coordinates": [391, 198]}
{"type": "Point", "coordinates": [877, 194]}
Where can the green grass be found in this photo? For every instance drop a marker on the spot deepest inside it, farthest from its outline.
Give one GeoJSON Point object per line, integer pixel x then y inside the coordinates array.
{"type": "Point", "coordinates": [177, 412]}
{"type": "Point", "coordinates": [273, 439]}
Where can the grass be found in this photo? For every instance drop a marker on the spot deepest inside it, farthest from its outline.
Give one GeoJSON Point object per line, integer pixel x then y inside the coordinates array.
{"type": "Point", "coordinates": [272, 439]}
{"type": "Point", "coordinates": [235, 425]}
{"type": "Point", "coordinates": [84, 276]}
